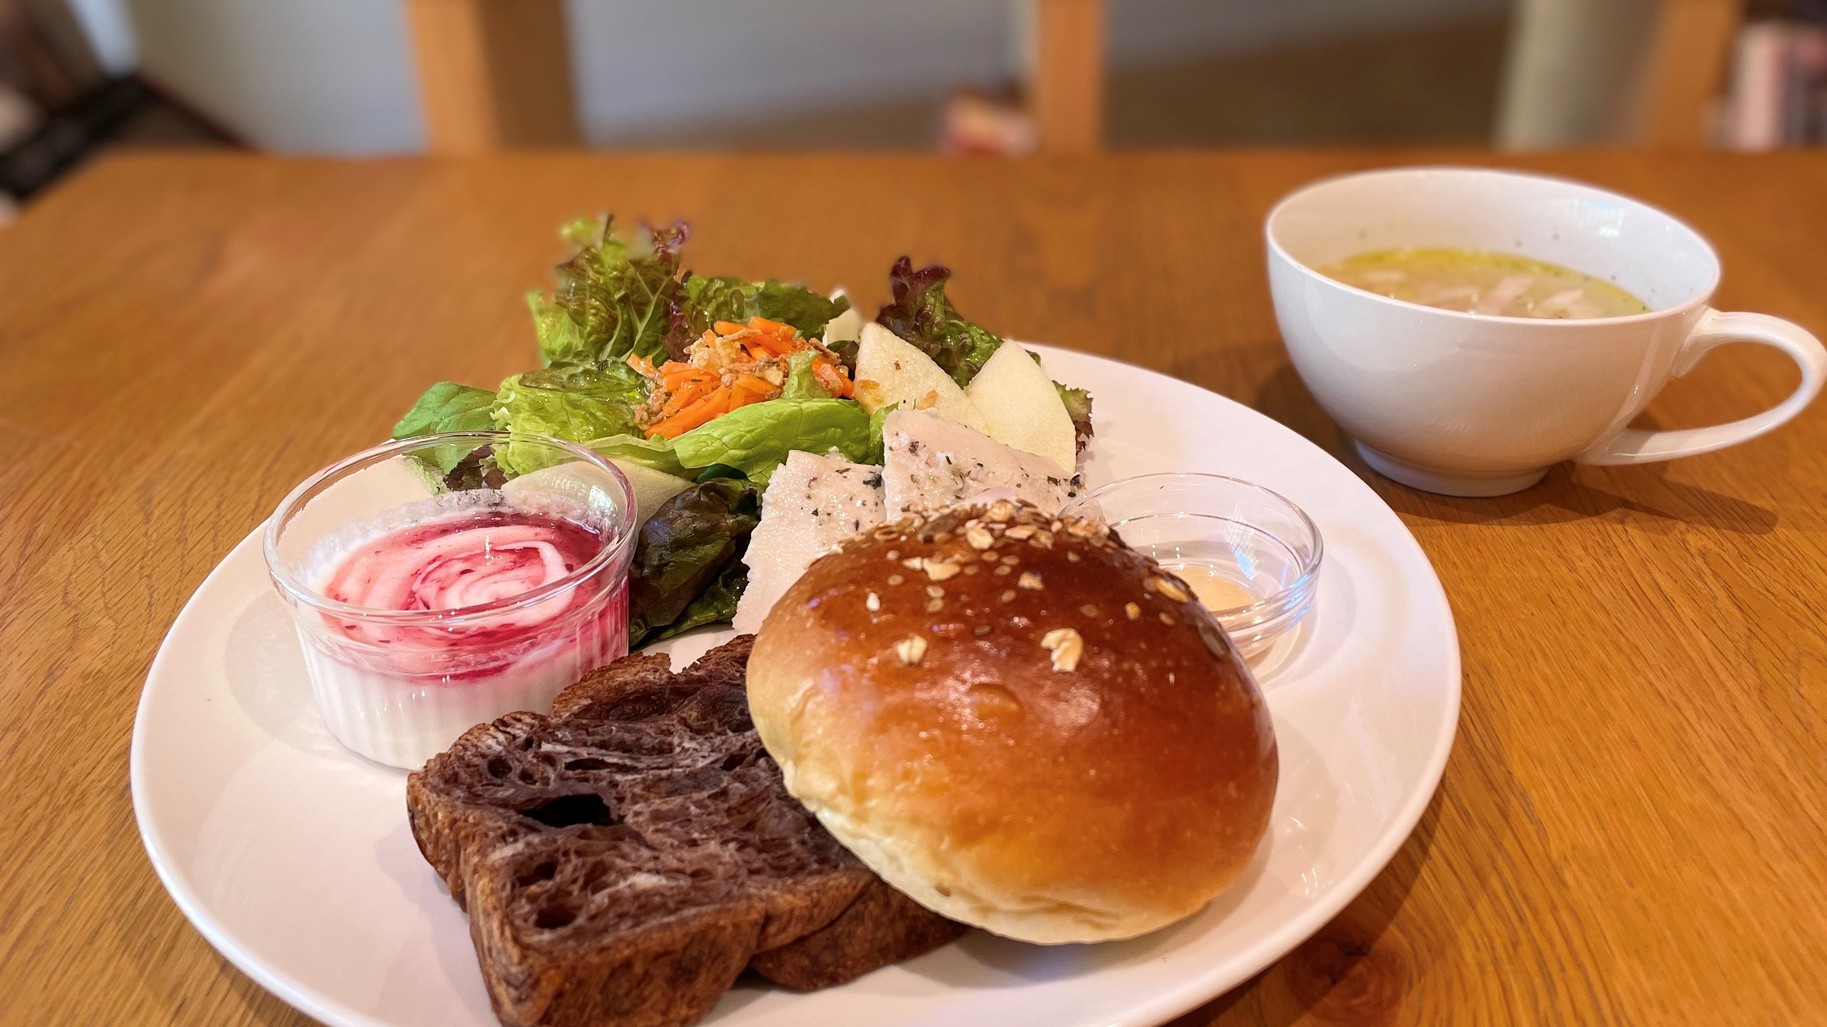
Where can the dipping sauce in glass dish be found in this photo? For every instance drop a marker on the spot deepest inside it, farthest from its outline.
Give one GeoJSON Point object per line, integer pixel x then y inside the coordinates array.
{"type": "Point", "coordinates": [424, 612]}
{"type": "Point", "coordinates": [1216, 588]}
{"type": "Point", "coordinates": [1250, 556]}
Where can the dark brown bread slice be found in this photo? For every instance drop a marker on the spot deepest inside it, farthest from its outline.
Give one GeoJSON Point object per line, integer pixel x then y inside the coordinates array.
{"type": "Point", "coordinates": [623, 859]}
{"type": "Point", "coordinates": [882, 926]}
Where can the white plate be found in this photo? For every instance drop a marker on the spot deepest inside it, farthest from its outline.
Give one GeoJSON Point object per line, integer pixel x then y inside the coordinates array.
{"type": "Point", "coordinates": [293, 857]}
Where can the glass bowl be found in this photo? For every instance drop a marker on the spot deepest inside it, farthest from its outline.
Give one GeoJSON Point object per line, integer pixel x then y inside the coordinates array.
{"type": "Point", "coordinates": [442, 581]}
{"type": "Point", "coordinates": [1251, 556]}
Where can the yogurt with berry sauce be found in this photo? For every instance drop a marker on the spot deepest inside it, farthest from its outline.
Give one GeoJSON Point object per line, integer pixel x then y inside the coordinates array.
{"type": "Point", "coordinates": [455, 610]}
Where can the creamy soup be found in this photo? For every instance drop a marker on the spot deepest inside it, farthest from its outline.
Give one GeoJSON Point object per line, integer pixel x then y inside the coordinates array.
{"type": "Point", "coordinates": [1479, 282]}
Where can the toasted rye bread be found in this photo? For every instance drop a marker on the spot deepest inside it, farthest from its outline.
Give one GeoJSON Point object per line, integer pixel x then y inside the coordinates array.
{"type": "Point", "coordinates": [623, 859]}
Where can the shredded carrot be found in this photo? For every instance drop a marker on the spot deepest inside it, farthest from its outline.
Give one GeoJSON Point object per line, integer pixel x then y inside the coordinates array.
{"type": "Point", "coordinates": [758, 386]}
{"type": "Point", "coordinates": [730, 366]}
{"type": "Point", "coordinates": [642, 366]}
{"type": "Point", "coordinates": [687, 394]}
{"type": "Point", "coordinates": [692, 416]}
{"type": "Point", "coordinates": [831, 378]}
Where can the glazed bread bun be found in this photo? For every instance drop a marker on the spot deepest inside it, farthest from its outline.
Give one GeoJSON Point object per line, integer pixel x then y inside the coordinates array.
{"type": "Point", "coordinates": [1018, 722]}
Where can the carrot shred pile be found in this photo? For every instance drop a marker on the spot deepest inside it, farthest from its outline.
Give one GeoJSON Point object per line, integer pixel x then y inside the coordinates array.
{"type": "Point", "coordinates": [730, 366]}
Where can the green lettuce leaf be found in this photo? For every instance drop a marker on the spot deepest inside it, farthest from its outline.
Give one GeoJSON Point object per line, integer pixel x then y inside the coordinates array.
{"type": "Point", "coordinates": [715, 605]}
{"type": "Point", "coordinates": [479, 468]}
{"type": "Point", "coordinates": [656, 453]}
{"type": "Point", "coordinates": [708, 300]}
{"type": "Point", "coordinates": [562, 342]}
{"type": "Point", "coordinates": [878, 421]}
{"type": "Point", "coordinates": [614, 296]}
{"type": "Point", "coordinates": [444, 407]}
{"type": "Point", "coordinates": [719, 471]}
{"type": "Point", "coordinates": [1078, 407]}
{"type": "Point", "coordinates": [801, 383]}
{"type": "Point", "coordinates": [577, 404]}
{"type": "Point", "coordinates": [682, 554]}
{"type": "Point", "coordinates": [447, 406]}
{"type": "Point", "coordinates": [755, 439]}
{"type": "Point", "coordinates": [923, 316]}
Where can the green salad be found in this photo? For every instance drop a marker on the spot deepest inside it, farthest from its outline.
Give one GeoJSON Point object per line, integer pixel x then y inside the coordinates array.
{"type": "Point", "coordinates": [697, 388]}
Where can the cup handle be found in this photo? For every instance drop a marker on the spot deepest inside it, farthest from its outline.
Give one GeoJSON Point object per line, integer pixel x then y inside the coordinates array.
{"type": "Point", "coordinates": [1716, 328]}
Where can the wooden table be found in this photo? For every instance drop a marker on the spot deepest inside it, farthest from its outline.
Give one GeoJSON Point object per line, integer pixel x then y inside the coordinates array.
{"type": "Point", "coordinates": [1632, 828]}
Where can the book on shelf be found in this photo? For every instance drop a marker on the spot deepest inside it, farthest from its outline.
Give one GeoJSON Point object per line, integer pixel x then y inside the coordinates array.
{"type": "Point", "coordinates": [1776, 95]}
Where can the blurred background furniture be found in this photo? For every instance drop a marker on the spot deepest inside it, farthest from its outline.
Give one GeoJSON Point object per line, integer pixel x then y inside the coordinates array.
{"type": "Point", "coordinates": [358, 77]}
{"type": "Point", "coordinates": [56, 95]}
{"type": "Point", "coordinates": [1633, 72]}
{"type": "Point", "coordinates": [492, 74]}
{"type": "Point", "coordinates": [1064, 40]}
{"type": "Point", "coordinates": [1575, 72]}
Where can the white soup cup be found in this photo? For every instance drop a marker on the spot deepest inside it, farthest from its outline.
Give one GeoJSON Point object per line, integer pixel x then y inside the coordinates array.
{"type": "Point", "coordinates": [1477, 405]}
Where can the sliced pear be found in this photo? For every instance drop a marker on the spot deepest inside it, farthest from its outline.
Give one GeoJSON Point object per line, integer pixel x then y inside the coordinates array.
{"type": "Point", "coordinates": [1022, 408]}
{"type": "Point", "coordinates": [845, 327]}
{"type": "Point", "coordinates": [575, 482]}
{"type": "Point", "coordinates": [651, 487]}
{"type": "Point", "coordinates": [890, 372]}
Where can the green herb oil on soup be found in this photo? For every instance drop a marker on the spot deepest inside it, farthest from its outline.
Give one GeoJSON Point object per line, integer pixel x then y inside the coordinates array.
{"type": "Point", "coordinates": [1481, 282]}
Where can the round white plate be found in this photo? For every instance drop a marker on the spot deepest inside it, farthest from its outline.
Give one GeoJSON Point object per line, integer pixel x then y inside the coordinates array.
{"type": "Point", "coordinates": [294, 859]}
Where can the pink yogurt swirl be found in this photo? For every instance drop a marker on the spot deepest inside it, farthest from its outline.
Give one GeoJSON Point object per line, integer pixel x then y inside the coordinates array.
{"type": "Point", "coordinates": [469, 559]}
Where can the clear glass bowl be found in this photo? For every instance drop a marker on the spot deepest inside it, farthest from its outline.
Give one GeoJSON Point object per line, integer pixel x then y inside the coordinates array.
{"type": "Point", "coordinates": [433, 591]}
{"type": "Point", "coordinates": [1251, 556]}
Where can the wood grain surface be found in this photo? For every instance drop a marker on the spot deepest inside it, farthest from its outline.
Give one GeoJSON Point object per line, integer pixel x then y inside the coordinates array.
{"type": "Point", "coordinates": [1632, 828]}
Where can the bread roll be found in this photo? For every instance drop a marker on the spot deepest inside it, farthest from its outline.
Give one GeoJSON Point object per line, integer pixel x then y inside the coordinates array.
{"type": "Point", "coordinates": [1018, 722]}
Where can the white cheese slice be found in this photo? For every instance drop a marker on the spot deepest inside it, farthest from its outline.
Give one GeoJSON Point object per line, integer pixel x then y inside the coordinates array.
{"type": "Point", "coordinates": [812, 504]}
{"type": "Point", "coordinates": [929, 463]}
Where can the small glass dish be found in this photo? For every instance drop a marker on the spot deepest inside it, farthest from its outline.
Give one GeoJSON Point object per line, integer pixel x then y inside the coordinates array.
{"type": "Point", "coordinates": [1251, 556]}
{"type": "Point", "coordinates": [442, 581]}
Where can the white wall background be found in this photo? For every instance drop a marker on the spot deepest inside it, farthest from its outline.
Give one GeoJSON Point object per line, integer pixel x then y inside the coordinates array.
{"type": "Point", "coordinates": [648, 68]}
{"type": "Point", "coordinates": [292, 76]}
{"type": "Point", "coordinates": [758, 58]}
{"type": "Point", "coordinates": [336, 76]}
{"type": "Point", "coordinates": [110, 32]}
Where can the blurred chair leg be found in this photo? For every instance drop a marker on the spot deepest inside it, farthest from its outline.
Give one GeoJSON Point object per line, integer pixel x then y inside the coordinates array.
{"type": "Point", "coordinates": [1687, 67]}
{"type": "Point", "coordinates": [1066, 74]}
{"type": "Point", "coordinates": [493, 73]}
